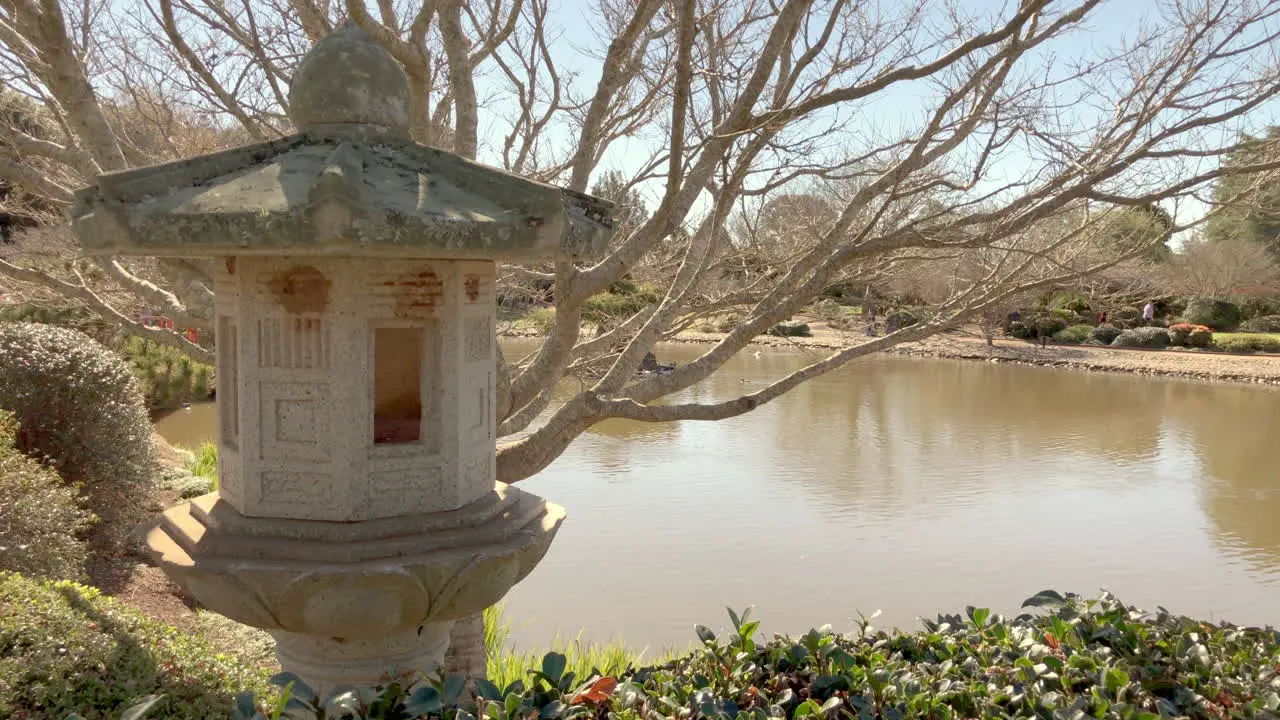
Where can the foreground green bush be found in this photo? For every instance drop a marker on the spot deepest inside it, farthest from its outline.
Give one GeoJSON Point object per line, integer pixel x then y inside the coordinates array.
{"type": "Point", "coordinates": [1220, 315]}
{"type": "Point", "coordinates": [790, 329]}
{"type": "Point", "coordinates": [168, 377]}
{"type": "Point", "coordinates": [1249, 344]}
{"type": "Point", "coordinates": [41, 517]}
{"type": "Point", "coordinates": [1263, 324]}
{"type": "Point", "coordinates": [618, 304]}
{"type": "Point", "coordinates": [66, 648]}
{"type": "Point", "coordinates": [76, 403]}
{"type": "Point", "coordinates": [1074, 334]}
{"type": "Point", "coordinates": [1085, 658]}
{"type": "Point", "coordinates": [1186, 334]}
{"type": "Point", "coordinates": [1143, 337]}
{"type": "Point", "coordinates": [1104, 334]}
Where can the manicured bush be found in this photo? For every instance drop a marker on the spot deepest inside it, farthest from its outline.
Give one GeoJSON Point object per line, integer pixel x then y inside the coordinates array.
{"type": "Point", "coordinates": [1081, 659]}
{"type": "Point", "coordinates": [900, 318]}
{"type": "Point", "coordinates": [41, 517]}
{"type": "Point", "coordinates": [1262, 324]}
{"type": "Point", "coordinates": [1180, 334]}
{"type": "Point", "coordinates": [1126, 317]}
{"type": "Point", "coordinates": [1020, 330]}
{"type": "Point", "coordinates": [614, 307]}
{"type": "Point", "coordinates": [1074, 334]}
{"type": "Point", "coordinates": [790, 328]}
{"type": "Point", "coordinates": [541, 319]}
{"type": "Point", "coordinates": [77, 404]}
{"type": "Point", "coordinates": [168, 377]}
{"type": "Point", "coordinates": [67, 648]}
{"type": "Point", "coordinates": [1144, 337]}
{"type": "Point", "coordinates": [1104, 334]}
{"type": "Point", "coordinates": [1249, 344]}
{"type": "Point", "coordinates": [1254, 306]}
{"type": "Point", "coordinates": [1201, 337]}
{"type": "Point", "coordinates": [74, 317]}
{"type": "Point", "coordinates": [1071, 301]}
{"type": "Point", "coordinates": [1221, 315]}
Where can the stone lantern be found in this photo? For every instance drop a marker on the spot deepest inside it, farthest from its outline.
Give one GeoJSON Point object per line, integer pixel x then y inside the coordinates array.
{"type": "Point", "coordinates": [357, 515]}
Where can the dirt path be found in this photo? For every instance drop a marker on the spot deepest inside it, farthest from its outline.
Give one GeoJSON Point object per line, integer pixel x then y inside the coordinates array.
{"type": "Point", "coordinates": [120, 568]}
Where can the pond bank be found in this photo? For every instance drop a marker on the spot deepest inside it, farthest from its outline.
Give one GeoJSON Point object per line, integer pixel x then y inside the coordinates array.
{"type": "Point", "coordinates": [1252, 369]}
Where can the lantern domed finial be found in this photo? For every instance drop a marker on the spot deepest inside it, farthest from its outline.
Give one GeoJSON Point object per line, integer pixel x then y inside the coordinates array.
{"type": "Point", "coordinates": [349, 79]}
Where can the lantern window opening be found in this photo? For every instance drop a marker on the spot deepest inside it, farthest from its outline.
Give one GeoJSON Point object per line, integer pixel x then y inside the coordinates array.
{"type": "Point", "coordinates": [403, 368]}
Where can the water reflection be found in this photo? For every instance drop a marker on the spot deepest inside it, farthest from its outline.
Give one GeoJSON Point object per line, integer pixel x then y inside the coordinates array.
{"type": "Point", "coordinates": [912, 486]}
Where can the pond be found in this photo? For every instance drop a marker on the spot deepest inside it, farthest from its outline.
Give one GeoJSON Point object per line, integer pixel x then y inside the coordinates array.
{"type": "Point", "coordinates": [910, 486]}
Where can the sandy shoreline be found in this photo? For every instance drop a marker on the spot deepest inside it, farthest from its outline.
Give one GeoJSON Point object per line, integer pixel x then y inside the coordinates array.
{"type": "Point", "coordinates": [1251, 369]}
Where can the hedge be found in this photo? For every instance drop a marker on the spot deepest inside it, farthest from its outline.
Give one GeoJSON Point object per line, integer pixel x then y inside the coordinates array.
{"type": "Point", "coordinates": [1083, 658]}
{"type": "Point", "coordinates": [67, 648]}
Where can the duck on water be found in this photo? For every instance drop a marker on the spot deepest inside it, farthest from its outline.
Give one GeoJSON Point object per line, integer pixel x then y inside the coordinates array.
{"type": "Point", "coordinates": [650, 365]}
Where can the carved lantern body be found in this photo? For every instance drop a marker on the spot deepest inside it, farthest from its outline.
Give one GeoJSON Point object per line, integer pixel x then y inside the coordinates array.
{"type": "Point", "coordinates": [357, 515]}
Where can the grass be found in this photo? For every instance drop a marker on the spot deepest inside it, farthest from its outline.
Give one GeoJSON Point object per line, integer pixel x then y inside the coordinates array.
{"type": "Point", "coordinates": [1225, 336]}
{"type": "Point", "coordinates": [506, 664]}
{"type": "Point", "coordinates": [204, 462]}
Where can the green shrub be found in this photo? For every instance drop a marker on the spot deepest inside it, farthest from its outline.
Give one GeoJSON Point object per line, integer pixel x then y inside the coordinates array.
{"type": "Point", "coordinates": [1033, 328]}
{"type": "Point", "coordinates": [74, 317]}
{"type": "Point", "coordinates": [1072, 302]}
{"type": "Point", "coordinates": [1186, 334]}
{"type": "Point", "coordinates": [1074, 334]}
{"type": "Point", "coordinates": [1070, 317]}
{"type": "Point", "coordinates": [1144, 337]}
{"type": "Point", "coordinates": [168, 377]}
{"type": "Point", "coordinates": [614, 307]}
{"type": "Point", "coordinates": [77, 404]}
{"type": "Point", "coordinates": [1126, 317]}
{"type": "Point", "coordinates": [1249, 344]}
{"type": "Point", "coordinates": [1175, 306]}
{"type": "Point", "coordinates": [790, 328]}
{"type": "Point", "coordinates": [1254, 306]}
{"type": "Point", "coordinates": [1262, 324]}
{"type": "Point", "coordinates": [900, 318]}
{"type": "Point", "coordinates": [67, 648]}
{"type": "Point", "coordinates": [41, 517]}
{"type": "Point", "coordinates": [1081, 659]}
{"type": "Point", "coordinates": [541, 319]}
{"type": "Point", "coordinates": [1220, 315]}
{"type": "Point", "coordinates": [1104, 334]}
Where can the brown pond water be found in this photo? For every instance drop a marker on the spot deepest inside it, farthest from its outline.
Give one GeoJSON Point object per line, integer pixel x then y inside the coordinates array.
{"type": "Point", "coordinates": [908, 485]}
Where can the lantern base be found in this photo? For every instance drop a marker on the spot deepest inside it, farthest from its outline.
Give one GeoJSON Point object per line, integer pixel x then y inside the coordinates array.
{"type": "Point", "coordinates": [327, 664]}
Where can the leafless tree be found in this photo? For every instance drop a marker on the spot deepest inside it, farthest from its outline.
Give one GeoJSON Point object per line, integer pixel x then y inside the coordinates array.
{"type": "Point", "coordinates": [734, 103]}
{"type": "Point", "coordinates": [1222, 268]}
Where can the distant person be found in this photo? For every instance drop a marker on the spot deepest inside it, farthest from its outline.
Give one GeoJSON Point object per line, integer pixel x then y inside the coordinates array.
{"type": "Point", "coordinates": [1102, 318]}
{"type": "Point", "coordinates": [649, 363]}
{"type": "Point", "coordinates": [1148, 313]}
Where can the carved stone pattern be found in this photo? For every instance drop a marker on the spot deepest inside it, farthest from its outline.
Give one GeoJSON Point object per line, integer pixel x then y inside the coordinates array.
{"type": "Point", "coordinates": [297, 421]}
{"type": "Point", "coordinates": [416, 293]}
{"type": "Point", "coordinates": [404, 480]}
{"type": "Point", "coordinates": [479, 338]}
{"type": "Point", "coordinates": [293, 343]}
{"type": "Point", "coordinates": [296, 487]}
{"type": "Point", "coordinates": [477, 470]}
{"type": "Point", "coordinates": [301, 289]}
{"type": "Point", "coordinates": [471, 286]}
